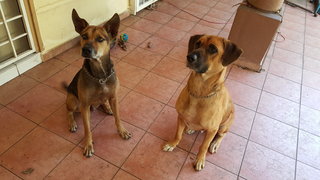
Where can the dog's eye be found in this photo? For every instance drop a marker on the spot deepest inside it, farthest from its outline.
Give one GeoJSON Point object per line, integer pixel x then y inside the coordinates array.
{"type": "Point", "coordinates": [100, 39]}
{"type": "Point", "coordinates": [84, 36]}
{"type": "Point", "coordinates": [212, 49]}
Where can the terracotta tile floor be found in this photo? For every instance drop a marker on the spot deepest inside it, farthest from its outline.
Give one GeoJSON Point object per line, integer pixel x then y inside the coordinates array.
{"type": "Point", "coordinates": [276, 133]}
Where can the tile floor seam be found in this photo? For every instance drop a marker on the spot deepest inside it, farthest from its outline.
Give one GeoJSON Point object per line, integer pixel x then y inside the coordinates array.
{"type": "Point", "coordinates": [10, 171]}
{"type": "Point", "coordinates": [300, 103]}
{"type": "Point", "coordinates": [126, 172]}
{"type": "Point", "coordinates": [254, 117]}
{"type": "Point", "coordinates": [317, 168]}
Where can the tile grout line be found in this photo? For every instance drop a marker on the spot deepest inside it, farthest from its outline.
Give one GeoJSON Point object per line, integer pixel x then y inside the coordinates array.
{"type": "Point", "coordinates": [255, 114]}
{"type": "Point", "coordinates": [1, 165]}
{"type": "Point", "coordinates": [300, 103]}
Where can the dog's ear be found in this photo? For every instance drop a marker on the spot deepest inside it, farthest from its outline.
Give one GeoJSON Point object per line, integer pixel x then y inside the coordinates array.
{"type": "Point", "coordinates": [79, 23]}
{"type": "Point", "coordinates": [192, 41]}
{"type": "Point", "coordinates": [112, 26]}
{"type": "Point", "coordinates": [231, 52]}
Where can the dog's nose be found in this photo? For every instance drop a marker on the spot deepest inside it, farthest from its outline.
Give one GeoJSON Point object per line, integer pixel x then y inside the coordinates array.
{"type": "Point", "coordinates": [192, 57]}
{"type": "Point", "coordinates": [86, 51]}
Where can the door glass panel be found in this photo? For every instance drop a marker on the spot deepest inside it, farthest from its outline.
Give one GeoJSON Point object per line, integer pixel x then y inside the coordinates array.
{"type": "Point", "coordinates": [6, 52]}
{"type": "Point", "coordinates": [21, 45]}
{"type": "Point", "coordinates": [3, 34]}
{"type": "Point", "coordinates": [10, 8]}
{"type": "Point", "coordinates": [16, 27]}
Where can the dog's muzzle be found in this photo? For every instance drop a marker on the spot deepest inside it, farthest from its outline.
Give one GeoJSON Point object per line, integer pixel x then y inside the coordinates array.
{"type": "Point", "coordinates": [87, 51]}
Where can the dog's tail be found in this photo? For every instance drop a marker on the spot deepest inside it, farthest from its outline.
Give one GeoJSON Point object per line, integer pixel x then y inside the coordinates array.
{"type": "Point", "coordinates": [65, 85]}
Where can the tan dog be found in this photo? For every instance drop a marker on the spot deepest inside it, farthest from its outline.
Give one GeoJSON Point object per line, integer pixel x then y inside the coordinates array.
{"type": "Point", "coordinates": [96, 82]}
{"type": "Point", "coordinates": [205, 104]}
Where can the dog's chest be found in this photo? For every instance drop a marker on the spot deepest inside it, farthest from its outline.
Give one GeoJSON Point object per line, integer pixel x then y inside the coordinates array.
{"type": "Point", "coordinates": [102, 94]}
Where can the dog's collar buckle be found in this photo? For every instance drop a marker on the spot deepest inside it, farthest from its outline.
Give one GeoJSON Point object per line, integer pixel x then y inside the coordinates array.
{"type": "Point", "coordinates": [101, 80]}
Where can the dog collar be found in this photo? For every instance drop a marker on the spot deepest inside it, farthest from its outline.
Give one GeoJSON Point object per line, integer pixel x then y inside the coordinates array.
{"type": "Point", "coordinates": [201, 97]}
{"type": "Point", "coordinates": [100, 80]}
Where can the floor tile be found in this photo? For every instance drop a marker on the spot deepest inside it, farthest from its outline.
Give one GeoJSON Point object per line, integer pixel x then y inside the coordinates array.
{"type": "Point", "coordinates": [243, 121]}
{"type": "Point", "coordinates": [288, 57]}
{"type": "Point", "coordinates": [76, 166]}
{"type": "Point", "coordinates": [197, 9]}
{"type": "Point", "coordinates": [120, 53]}
{"type": "Point", "coordinates": [207, 173]}
{"type": "Point", "coordinates": [13, 128]}
{"type": "Point", "coordinates": [294, 18]}
{"type": "Point", "coordinates": [181, 4]}
{"type": "Point", "coordinates": [305, 172]}
{"type": "Point", "coordinates": [157, 87]}
{"type": "Point", "coordinates": [291, 45]}
{"type": "Point", "coordinates": [185, 41]}
{"type": "Point", "coordinates": [309, 149]}
{"type": "Point", "coordinates": [213, 22]}
{"type": "Point", "coordinates": [225, 7]}
{"type": "Point", "coordinates": [175, 96]}
{"type": "Point", "coordinates": [171, 69]}
{"type": "Point", "coordinates": [136, 37]}
{"type": "Point", "coordinates": [262, 163]}
{"type": "Point", "coordinates": [46, 69]}
{"type": "Point", "coordinates": [110, 146]}
{"type": "Point", "coordinates": [223, 15]}
{"type": "Point", "coordinates": [158, 17]}
{"type": "Point", "coordinates": [180, 53]}
{"type": "Point", "coordinates": [279, 108]}
{"type": "Point", "coordinates": [15, 88]}
{"type": "Point", "coordinates": [139, 110]}
{"type": "Point", "coordinates": [285, 70]}
{"type": "Point", "coordinates": [310, 97]}
{"type": "Point", "coordinates": [243, 95]}
{"type": "Point", "coordinates": [230, 152]}
{"type": "Point", "coordinates": [128, 21]}
{"type": "Point", "coordinates": [291, 35]}
{"type": "Point", "coordinates": [65, 76]}
{"type": "Point", "coordinates": [129, 75]}
{"type": "Point", "coordinates": [247, 77]}
{"type": "Point", "coordinates": [180, 24]}
{"type": "Point", "coordinates": [309, 120]}
{"type": "Point", "coordinates": [187, 16]}
{"type": "Point", "coordinates": [312, 41]}
{"type": "Point", "coordinates": [311, 64]}
{"type": "Point", "coordinates": [311, 79]}
{"type": "Point", "coordinates": [282, 87]}
{"type": "Point", "coordinates": [201, 29]}
{"type": "Point", "coordinates": [208, 3]}
{"type": "Point", "coordinates": [146, 26]}
{"type": "Point", "coordinates": [274, 135]}
{"type": "Point", "coordinates": [5, 174]}
{"type": "Point", "coordinates": [158, 45]}
{"type": "Point", "coordinates": [77, 63]}
{"type": "Point", "coordinates": [33, 152]}
{"type": "Point", "coordinates": [143, 12]}
{"type": "Point", "coordinates": [149, 157]}
{"type": "Point", "coordinates": [165, 128]}
{"type": "Point", "coordinates": [70, 55]}
{"type": "Point", "coordinates": [38, 103]}
{"type": "Point", "coordinates": [170, 34]}
{"type": "Point", "coordinates": [166, 8]}
{"type": "Point", "coordinates": [313, 52]}
{"type": "Point", "coordinates": [123, 175]}
{"type": "Point", "coordinates": [293, 26]}
{"type": "Point", "coordinates": [143, 58]}
{"type": "Point", "coordinates": [58, 123]}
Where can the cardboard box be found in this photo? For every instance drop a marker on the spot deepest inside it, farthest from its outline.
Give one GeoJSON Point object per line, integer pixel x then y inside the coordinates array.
{"type": "Point", "coordinates": [253, 31]}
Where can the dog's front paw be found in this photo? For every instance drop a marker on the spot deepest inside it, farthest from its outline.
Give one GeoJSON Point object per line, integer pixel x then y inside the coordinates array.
{"type": "Point", "coordinates": [73, 127]}
{"type": "Point", "coordinates": [199, 164]}
{"type": "Point", "coordinates": [125, 134]}
{"type": "Point", "coordinates": [168, 147]}
{"type": "Point", "coordinates": [88, 150]}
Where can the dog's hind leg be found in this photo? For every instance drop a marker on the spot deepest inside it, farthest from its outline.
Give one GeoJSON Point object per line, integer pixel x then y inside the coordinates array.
{"type": "Point", "coordinates": [106, 107]}
{"type": "Point", "coordinates": [223, 129]}
{"type": "Point", "coordinates": [72, 104]}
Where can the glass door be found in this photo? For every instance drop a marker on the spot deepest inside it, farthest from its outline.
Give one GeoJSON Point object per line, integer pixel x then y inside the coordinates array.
{"type": "Point", "coordinates": [15, 37]}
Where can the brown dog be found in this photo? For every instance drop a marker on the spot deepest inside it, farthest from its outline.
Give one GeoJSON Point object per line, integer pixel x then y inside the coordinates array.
{"type": "Point", "coordinates": [96, 82]}
{"type": "Point", "coordinates": [204, 104]}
